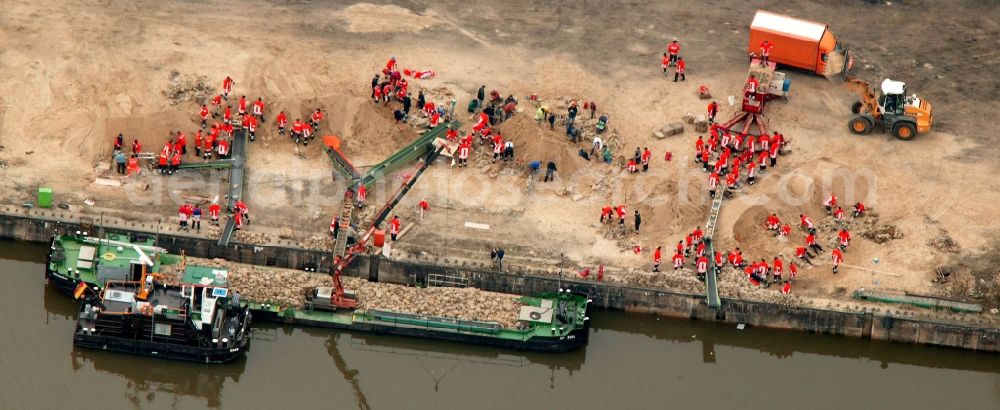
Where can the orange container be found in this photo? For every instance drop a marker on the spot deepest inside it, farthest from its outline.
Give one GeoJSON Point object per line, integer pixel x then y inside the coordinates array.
{"type": "Point", "coordinates": [379, 237]}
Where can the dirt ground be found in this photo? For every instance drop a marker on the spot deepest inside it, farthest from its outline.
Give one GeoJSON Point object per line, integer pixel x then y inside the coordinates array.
{"type": "Point", "coordinates": [114, 66]}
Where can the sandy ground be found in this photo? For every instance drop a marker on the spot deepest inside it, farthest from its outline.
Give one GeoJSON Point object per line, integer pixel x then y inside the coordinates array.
{"type": "Point", "coordinates": [111, 67]}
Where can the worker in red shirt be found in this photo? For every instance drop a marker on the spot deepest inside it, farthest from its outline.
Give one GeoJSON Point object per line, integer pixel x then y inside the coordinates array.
{"type": "Point", "coordinates": [241, 208]}
{"type": "Point", "coordinates": [227, 87]}
{"type": "Point", "coordinates": [752, 85]}
{"type": "Point", "coordinates": [297, 130]}
{"type": "Point", "coordinates": [773, 153]}
{"type": "Point", "coordinates": [838, 257]}
{"type": "Point", "coordinates": [793, 271]}
{"type": "Point", "coordinates": [674, 50]}
{"type": "Point", "coordinates": [281, 120]}
{"type": "Point", "coordinates": [777, 270]}
{"type": "Point", "coordinates": [702, 267]}
{"type": "Point", "coordinates": [390, 65]}
{"type": "Point", "coordinates": [258, 109]}
{"type": "Point", "coordinates": [656, 259]}
{"type": "Point", "coordinates": [830, 202]}
{"type": "Point", "coordinates": [838, 213]}
{"type": "Point", "coordinates": [198, 140]}
{"type": "Point", "coordinates": [182, 217]}
{"type": "Point", "coordinates": [737, 258]}
{"type": "Point", "coordinates": [213, 211]}
{"type": "Point", "coordinates": [632, 166]}
{"type": "Point", "coordinates": [251, 127]}
{"type": "Point", "coordinates": [435, 120]}
{"type": "Point", "coordinates": [208, 146]}
{"type": "Point", "coordinates": [394, 227]}
{"type": "Point", "coordinates": [204, 116]}
{"type": "Point", "coordinates": [315, 118]}
{"type": "Point", "coordinates": [216, 105]}
{"type": "Point", "coordinates": [133, 166]}
{"type": "Point", "coordinates": [227, 115]}
{"type": "Point", "coordinates": [713, 183]}
{"type": "Point", "coordinates": [845, 239]}
{"type": "Point", "coordinates": [859, 210]}
{"type": "Point", "coordinates": [497, 147]}
{"type": "Point", "coordinates": [423, 206]}
{"type": "Point", "coordinates": [646, 155]}
{"type": "Point", "coordinates": [751, 173]}
{"type": "Point", "coordinates": [732, 180]}
{"type": "Point", "coordinates": [386, 94]}
{"type": "Point", "coordinates": [136, 147]}
{"type": "Point", "coordinates": [802, 253]}
{"type": "Point", "coordinates": [718, 262]}
{"type": "Point", "coordinates": [620, 212]}
{"type": "Point", "coordinates": [679, 70]}
{"type": "Point", "coordinates": [606, 214]}
{"type": "Point", "coordinates": [242, 107]}
{"type": "Point", "coordinates": [181, 144]}
{"type": "Point", "coordinates": [705, 157]}
{"type": "Point", "coordinates": [666, 64]}
{"type": "Point", "coordinates": [698, 235]}
{"type": "Point", "coordinates": [765, 51]}
{"type": "Point", "coordinates": [222, 148]}
{"type": "Point", "coordinates": [377, 93]}
{"type": "Point", "coordinates": [307, 133]}
{"type": "Point", "coordinates": [238, 220]}
{"type": "Point", "coordinates": [175, 162]}
{"type": "Point", "coordinates": [362, 194]}
{"type": "Point", "coordinates": [680, 247]}
{"type": "Point", "coordinates": [773, 222]}
{"type": "Point", "coordinates": [786, 289]}
{"type": "Point", "coordinates": [812, 244]}
{"type": "Point", "coordinates": [688, 244]}
{"type": "Point", "coordinates": [700, 249]}
{"type": "Point", "coordinates": [786, 230]}
{"type": "Point", "coordinates": [678, 260]}
{"type": "Point", "coordinates": [807, 223]}
{"type": "Point", "coordinates": [164, 161]}
{"type": "Point", "coordinates": [713, 109]}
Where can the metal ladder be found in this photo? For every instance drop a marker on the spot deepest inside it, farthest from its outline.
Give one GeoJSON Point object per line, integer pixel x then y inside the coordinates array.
{"type": "Point", "coordinates": [346, 212]}
{"type": "Point", "coordinates": [711, 281]}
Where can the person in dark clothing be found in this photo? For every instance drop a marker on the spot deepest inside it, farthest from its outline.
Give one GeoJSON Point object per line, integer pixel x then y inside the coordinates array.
{"type": "Point", "coordinates": [550, 170]}
{"type": "Point", "coordinates": [638, 221]}
{"type": "Point", "coordinates": [481, 95]}
{"type": "Point", "coordinates": [406, 104]}
{"type": "Point", "coordinates": [572, 113]}
{"type": "Point", "coordinates": [421, 100]}
{"type": "Point", "coordinates": [552, 121]}
{"type": "Point", "coordinates": [593, 109]}
{"type": "Point", "coordinates": [399, 116]}
{"type": "Point", "coordinates": [374, 84]}
{"type": "Point", "coordinates": [496, 255]}
{"type": "Point", "coordinates": [489, 111]}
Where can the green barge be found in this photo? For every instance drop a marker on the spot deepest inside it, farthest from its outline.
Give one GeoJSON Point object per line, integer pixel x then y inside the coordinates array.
{"type": "Point", "coordinates": [550, 322]}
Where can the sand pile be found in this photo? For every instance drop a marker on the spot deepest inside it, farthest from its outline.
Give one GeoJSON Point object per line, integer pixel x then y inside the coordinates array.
{"type": "Point", "coordinates": [375, 135]}
{"type": "Point", "coordinates": [534, 142]}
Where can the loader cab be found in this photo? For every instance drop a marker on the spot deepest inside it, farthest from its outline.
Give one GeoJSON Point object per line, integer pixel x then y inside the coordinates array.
{"type": "Point", "coordinates": [893, 97]}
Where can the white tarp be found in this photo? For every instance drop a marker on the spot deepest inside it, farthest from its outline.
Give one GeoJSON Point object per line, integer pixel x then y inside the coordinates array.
{"type": "Point", "coordinates": [788, 25]}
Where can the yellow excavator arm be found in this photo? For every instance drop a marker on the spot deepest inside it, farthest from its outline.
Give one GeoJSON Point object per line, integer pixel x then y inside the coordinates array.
{"type": "Point", "coordinates": [869, 100]}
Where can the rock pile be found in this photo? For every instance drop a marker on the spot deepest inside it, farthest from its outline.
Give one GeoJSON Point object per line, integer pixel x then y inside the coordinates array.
{"type": "Point", "coordinates": [734, 283]}
{"type": "Point", "coordinates": [188, 88]}
{"type": "Point", "coordinates": [944, 243]}
{"type": "Point", "coordinates": [456, 303]}
{"type": "Point", "coordinates": [288, 288]}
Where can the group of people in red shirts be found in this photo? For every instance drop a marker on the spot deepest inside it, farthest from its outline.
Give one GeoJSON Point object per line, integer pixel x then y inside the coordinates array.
{"type": "Point", "coordinates": [730, 154]}
{"type": "Point", "coordinates": [811, 248]}
{"type": "Point", "coordinates": [672, 58]}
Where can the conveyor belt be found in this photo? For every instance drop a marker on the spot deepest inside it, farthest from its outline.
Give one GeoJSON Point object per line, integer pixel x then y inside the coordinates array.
{"type": "Point", "coordinates": [238, 158]}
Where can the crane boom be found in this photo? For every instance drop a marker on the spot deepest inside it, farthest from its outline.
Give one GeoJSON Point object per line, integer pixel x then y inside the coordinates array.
{"type": "Point", "coordinates": [340, 299]}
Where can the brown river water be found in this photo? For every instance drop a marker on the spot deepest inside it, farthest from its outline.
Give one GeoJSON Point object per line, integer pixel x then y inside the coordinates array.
{"type": "Point", "coordinates": [633, 362]}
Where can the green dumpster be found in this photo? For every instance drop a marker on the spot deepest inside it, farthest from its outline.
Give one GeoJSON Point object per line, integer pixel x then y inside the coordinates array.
{"type": "Point", "coordinates": [45, 197]}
